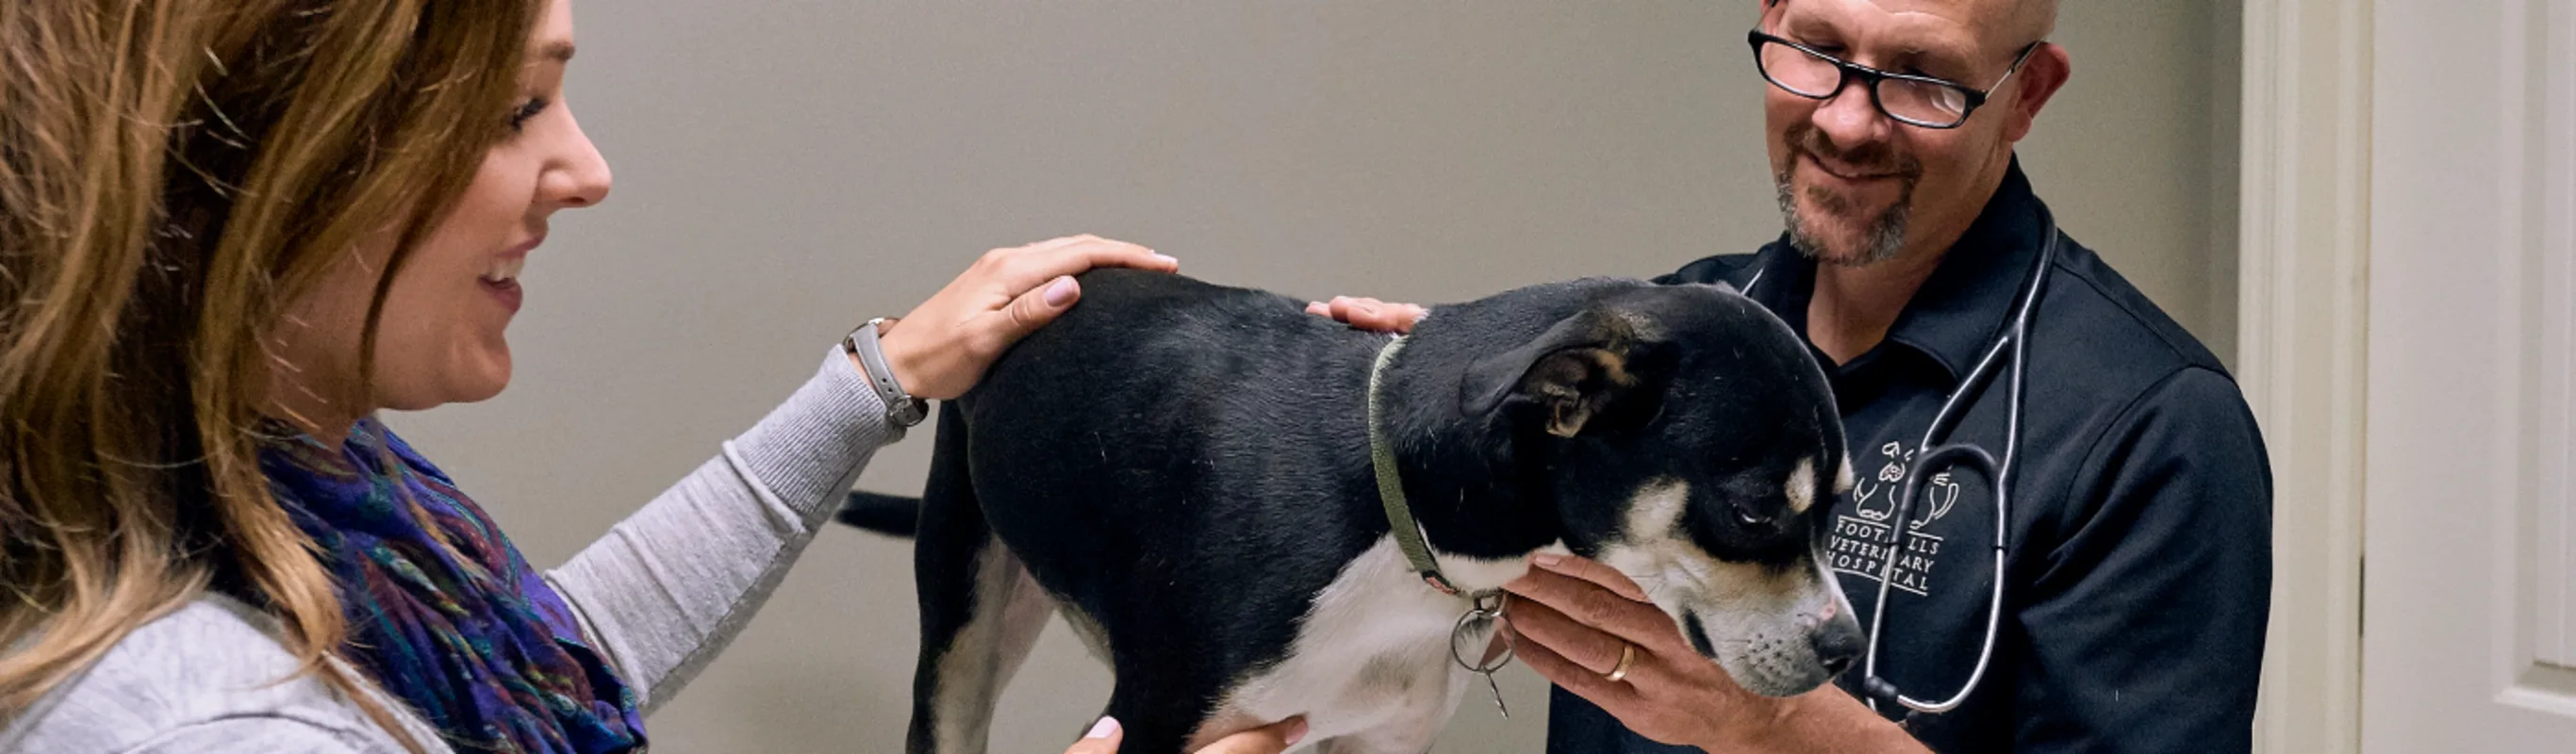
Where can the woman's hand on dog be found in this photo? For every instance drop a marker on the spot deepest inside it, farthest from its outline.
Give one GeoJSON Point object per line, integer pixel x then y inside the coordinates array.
{"type": "Point", "coordinates": [1268, 739]}
{"type": "Point", "coordinates": [1571, 620]}
{"type": "Point", "coordinates": [1369, 314]}
{"type": "Point", "coordinates": [942, 347]}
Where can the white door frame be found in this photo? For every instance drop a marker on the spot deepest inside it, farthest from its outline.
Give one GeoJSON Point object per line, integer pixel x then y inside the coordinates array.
{"type": "Point", "coordinates": [2303, 305]}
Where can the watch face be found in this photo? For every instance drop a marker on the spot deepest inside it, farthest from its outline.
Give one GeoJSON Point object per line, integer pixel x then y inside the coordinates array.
{"type": "Point", "coordinates": [911, 412]}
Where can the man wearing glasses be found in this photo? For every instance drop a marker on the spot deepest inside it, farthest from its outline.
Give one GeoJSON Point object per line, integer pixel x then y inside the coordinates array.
{"type": "Point", "coordinates": [2137, 580]}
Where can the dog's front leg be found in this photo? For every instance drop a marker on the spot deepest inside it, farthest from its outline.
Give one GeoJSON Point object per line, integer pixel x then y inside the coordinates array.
{"type": "Point", "coordinates": [1411, 732]}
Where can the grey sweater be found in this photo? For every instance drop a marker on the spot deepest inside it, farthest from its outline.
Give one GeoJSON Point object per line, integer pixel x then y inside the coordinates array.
{"type": "Point", "coordinates": [660, 595]}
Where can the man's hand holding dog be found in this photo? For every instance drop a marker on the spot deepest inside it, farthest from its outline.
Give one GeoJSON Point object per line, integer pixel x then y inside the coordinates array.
{"type": "Point", "coordinates": [1573, 619]}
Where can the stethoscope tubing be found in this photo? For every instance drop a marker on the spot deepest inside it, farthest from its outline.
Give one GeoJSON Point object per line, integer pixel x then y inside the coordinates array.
{"type": "Point", "coordinates": [2015, 341]}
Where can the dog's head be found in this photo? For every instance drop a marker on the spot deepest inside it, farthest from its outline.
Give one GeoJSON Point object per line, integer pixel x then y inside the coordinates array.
{"type": "Point", "coordinates": [1691, 441]}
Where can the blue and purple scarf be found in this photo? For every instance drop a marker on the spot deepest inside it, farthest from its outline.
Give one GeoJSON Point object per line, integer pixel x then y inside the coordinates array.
{"type": "Point", "coordinates": [443, 612]}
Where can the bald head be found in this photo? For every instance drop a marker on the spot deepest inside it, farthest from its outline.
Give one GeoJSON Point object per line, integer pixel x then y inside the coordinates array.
{"type": "Point", "coordinates": [2010, 23]}
{"type": "Point", "coordinates": [2027, 21]}
{"type": "Point", "coordinates": [2006, 25]}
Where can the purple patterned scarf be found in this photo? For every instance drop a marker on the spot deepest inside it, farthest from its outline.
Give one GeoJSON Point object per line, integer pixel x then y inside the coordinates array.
{"type": "Point", "coordinates": [443, 612]}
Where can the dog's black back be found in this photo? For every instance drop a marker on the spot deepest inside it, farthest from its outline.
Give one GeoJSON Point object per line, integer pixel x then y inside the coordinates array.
{"type": "Point", "coordinates": [1098, 457]}
{"type": "Point", "coordinates": [1111, 456]}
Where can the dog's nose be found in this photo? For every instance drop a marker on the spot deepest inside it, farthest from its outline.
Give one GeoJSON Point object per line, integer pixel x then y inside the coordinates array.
{"type": "Point", "coordinates": [1837, 644]}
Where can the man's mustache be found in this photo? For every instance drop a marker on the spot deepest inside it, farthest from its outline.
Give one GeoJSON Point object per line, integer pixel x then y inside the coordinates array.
{"type": "Point", "coordinates": [1874, 158]}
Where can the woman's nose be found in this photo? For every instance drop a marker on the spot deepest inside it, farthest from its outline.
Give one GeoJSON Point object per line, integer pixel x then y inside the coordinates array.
{"type": "Point", "coordinates": [580, 178]}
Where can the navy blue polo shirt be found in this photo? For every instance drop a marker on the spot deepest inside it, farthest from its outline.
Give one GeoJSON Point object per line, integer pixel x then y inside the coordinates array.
{"type": "Point", "coordinates": [2139, 574]}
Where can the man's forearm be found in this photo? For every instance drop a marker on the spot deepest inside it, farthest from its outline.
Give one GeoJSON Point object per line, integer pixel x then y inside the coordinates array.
{"type": "Point", "coordinates": [1823, 720]}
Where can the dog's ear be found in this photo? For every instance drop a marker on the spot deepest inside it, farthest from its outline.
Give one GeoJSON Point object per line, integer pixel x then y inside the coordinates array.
{"type": "Point", "coordinates": [1570, 377]}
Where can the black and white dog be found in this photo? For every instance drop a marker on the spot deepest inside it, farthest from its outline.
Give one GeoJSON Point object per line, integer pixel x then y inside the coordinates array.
{"type": "Point", "coordinates": [1183, 471]}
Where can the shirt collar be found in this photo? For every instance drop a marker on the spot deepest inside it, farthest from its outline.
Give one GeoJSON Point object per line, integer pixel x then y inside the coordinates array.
{"type": "Point", "coordinates": [1955, 315]}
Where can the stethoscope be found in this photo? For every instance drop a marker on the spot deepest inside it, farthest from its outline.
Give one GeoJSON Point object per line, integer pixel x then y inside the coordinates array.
{"type": "Point", "coordinates": [2015, 340]}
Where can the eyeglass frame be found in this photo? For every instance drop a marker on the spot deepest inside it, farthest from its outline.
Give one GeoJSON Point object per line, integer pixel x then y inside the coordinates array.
{"type": "Point", "coordinates": [1873, 77]}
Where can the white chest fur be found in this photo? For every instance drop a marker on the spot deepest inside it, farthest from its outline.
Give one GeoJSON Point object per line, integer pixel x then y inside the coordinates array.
{"type": "Point", "coordinates": [1370, 666]}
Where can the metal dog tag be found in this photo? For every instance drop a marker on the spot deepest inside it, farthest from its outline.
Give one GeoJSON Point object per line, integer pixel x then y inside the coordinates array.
{"type": "Point", "coordinates": [1479, 623]}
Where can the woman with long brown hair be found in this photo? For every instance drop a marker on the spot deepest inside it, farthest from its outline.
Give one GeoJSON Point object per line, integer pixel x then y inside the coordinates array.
{"type": "Point", "coordinates": [230, 233]}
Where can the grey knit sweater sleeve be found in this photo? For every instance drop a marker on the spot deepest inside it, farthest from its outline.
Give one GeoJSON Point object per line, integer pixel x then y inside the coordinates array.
{"type": "Point", "coordinates": [670, 586]}
{"type": "Point", "coordinates": [661, 594]}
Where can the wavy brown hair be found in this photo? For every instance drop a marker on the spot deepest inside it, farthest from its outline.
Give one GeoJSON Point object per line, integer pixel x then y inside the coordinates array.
{"type": "Point", "coordinates": [172, 174]}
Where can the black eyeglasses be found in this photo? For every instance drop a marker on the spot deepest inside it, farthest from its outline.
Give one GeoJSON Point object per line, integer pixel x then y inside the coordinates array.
{"type": "Point", "coordinates": [1914, 100]}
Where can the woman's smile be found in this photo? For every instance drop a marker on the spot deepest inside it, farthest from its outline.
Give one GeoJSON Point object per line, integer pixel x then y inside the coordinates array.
{"type": "Point", "coordinates": [501, 278]}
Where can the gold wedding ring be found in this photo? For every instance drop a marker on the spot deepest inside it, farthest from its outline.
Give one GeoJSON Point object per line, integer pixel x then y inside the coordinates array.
{"type": "Point", "coordinates": [1627, 657]}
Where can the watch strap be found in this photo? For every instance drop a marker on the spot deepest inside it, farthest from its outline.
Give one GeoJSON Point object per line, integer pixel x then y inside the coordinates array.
{"type": "Point", "coordinates": [902, 409]}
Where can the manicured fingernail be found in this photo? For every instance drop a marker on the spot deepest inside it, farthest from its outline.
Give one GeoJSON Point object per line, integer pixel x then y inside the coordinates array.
{"type": "Point", "coordinates": [1103, 729]}
{"type": "Point", "coordinates": [1060, 293]}
{"type": "Point", "coordinates": [1297, 731]}
{"type": "Point", "coordinates": [1165, 257]}
{"type": "Point", "coordinates": [1548, 559]}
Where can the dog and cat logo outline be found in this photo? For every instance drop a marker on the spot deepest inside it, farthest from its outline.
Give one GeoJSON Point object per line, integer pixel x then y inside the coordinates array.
{"type": "Point", "coordinates": [1862, 539]}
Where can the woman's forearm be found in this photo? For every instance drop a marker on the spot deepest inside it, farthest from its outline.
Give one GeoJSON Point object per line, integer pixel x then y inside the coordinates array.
{"type": "Point", "coordinates": [671, 585]}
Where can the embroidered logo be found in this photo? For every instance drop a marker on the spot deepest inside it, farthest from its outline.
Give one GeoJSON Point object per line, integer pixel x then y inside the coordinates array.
{"type": "Point", "coordinates": [1862, 543]}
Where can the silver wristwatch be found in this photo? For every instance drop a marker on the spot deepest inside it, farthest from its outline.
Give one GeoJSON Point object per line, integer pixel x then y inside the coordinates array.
{"type": "Point", "coordinates": [902, 409]}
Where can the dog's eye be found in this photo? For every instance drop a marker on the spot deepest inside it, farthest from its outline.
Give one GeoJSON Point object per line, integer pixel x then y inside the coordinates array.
{"type": "Point", "coordinates": [1746, 515]}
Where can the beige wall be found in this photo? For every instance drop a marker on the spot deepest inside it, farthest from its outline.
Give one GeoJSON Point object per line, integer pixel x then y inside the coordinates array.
{"type": "Point", "coordinates": [785, 173]}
